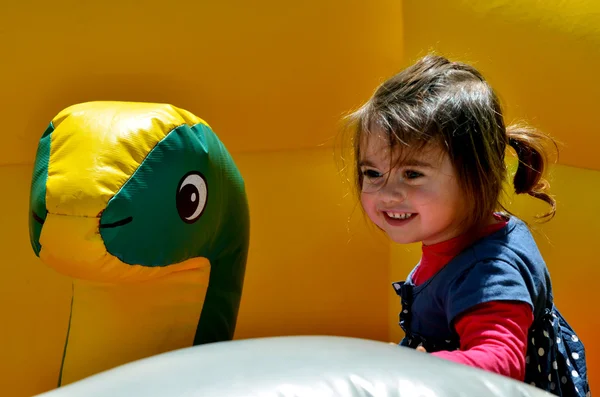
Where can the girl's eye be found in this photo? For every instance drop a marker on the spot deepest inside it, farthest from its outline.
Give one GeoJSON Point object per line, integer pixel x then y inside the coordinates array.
{"type": "Point", "coordinates": [371, 174]}
{"type": "Point", "coordinates": [412, 174]}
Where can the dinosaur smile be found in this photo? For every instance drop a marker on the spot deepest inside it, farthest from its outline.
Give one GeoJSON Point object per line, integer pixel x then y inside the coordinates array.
{"type": "Point", "coordinates": [121, 222]}
{"type": "Point", "coordinates": [37, 218]}
{"type": "Point", "coordinates": [117, 223]}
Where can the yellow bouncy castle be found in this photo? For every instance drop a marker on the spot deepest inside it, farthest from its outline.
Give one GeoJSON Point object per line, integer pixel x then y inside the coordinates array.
{"type": "Point", "coordinates": [273, 80]}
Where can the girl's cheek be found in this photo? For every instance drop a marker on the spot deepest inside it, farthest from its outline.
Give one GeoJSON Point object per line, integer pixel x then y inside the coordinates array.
{"type": "Point", "coordinates": [368, 205]}
{"type": "Point", "coordinates": [365, 201]}
{"type": "Point", "coordinates": [422, 196]}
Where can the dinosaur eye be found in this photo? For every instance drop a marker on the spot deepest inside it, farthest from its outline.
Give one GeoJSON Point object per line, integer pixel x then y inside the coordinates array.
{"type": "Point", "coordinates": [191, 197]}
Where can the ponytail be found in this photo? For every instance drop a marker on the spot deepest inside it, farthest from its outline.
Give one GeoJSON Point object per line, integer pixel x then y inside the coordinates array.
{"type": "Point", "coordinates": [528, 144]}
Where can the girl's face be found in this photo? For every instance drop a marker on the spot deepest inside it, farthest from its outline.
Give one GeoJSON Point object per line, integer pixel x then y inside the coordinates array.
{"type": "Point", "coordinates": [418, 201]}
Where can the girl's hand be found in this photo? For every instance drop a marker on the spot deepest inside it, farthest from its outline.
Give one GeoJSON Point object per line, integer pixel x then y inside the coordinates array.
{"type": "Point", "coordinates": [421, 349]}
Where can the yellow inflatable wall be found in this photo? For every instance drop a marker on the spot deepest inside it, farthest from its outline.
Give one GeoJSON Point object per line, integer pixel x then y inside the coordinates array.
{"type": "Point", "coordinates": [273, 78]}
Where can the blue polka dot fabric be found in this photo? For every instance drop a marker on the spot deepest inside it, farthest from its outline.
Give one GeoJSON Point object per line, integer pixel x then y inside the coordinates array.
{"type": "Point", "coordinates": [555, 359]}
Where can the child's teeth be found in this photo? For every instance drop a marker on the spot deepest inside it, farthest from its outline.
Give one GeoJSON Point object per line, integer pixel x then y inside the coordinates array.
{"type": "Point", "coordinates": [396, 215]}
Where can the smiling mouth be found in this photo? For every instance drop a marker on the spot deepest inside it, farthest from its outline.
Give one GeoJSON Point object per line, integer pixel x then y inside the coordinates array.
{"type": "Point", "coordinates": [37, 218]}
{"type": "Point", "coordinates": [117, 223]}
{"type": "Point", "coordinates": [122, 222]}
{"type": "Point", "coordinates": [399, 215]}
{"type": "Point", "coordinates": [397, 219]}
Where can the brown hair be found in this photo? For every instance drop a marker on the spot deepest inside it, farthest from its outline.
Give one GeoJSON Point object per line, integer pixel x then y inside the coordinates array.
{"type": "Point", "coordinates": [451, 104]}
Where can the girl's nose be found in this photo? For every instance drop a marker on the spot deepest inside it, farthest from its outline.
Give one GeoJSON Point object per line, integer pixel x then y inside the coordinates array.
{"type": "Point", "coordinates": [393, 193]}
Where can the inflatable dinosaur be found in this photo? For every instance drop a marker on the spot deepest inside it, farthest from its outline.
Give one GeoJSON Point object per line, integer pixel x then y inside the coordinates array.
{"type": "Point", "coordinates": [144, 208]}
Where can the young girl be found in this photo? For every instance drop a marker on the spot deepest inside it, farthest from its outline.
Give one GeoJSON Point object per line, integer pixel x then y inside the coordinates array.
{"type": "Point", "coordinates": [429, 151]}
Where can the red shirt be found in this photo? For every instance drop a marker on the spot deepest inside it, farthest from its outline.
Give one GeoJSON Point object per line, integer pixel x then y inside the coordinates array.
{"type": "Point", "coordinates": [493, 335]}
